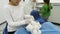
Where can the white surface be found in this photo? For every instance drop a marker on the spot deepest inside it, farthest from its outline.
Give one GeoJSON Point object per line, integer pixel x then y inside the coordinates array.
{"type": "Point", "coordinates": [55, 14]}
{"type": "Point", "coordinates": [55, 1]}
{"type": "Point", "coordinates": [2, 3]}
{"type": "Point", "coordinates": [1, 16]}
{"type": "Point", "coordinates": [39, 0]}
{"type": "Point", "coordinates": [52, 1]}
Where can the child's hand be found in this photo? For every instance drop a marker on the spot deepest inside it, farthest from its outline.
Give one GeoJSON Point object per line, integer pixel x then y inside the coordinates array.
{"type": "Point", "coordinates": [27, 21]}
{"type": "Point", "coordinates": [29, 17]}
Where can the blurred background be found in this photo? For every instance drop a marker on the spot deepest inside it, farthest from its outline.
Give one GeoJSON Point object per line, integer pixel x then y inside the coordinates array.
{"type": "Point", "coordinates": [55, 13]}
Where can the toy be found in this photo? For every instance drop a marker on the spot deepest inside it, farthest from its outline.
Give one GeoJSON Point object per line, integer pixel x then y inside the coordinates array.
{"type": "Point", "coordinates": [33, 26]}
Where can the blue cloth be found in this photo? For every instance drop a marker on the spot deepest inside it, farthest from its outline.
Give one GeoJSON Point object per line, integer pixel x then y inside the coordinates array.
{"type": "Point", "coordinates": [47, 28]}
{"type": "Point", "coordinates": [22, 30]}
{"type": "Point", "coordinates": [5, 30]}
{"type": "Point", "coordinates": [37, 17]}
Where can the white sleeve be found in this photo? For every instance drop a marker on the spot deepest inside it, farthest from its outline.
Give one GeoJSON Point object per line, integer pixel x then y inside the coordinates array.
{"type": "Point", "coordinates": [10, 21]}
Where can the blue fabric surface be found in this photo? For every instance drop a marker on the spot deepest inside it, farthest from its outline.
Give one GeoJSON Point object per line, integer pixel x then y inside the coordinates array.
{"type": "Point", "coordinates": [22, 30]}
{"type": "Point", "coordinates": [5, 30]}
{"type": "Point", "coordinates": [47, 28]}
{"type": "Point", "coordinates": [37, 17]}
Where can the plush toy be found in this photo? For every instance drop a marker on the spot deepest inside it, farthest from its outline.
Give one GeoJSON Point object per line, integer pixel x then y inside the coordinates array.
{"type": "Point", "coordinates": [33, 26]}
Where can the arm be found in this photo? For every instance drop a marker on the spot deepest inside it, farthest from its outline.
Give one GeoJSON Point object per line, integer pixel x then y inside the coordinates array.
{"type": "Point", "coordinates": [10, 21]}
